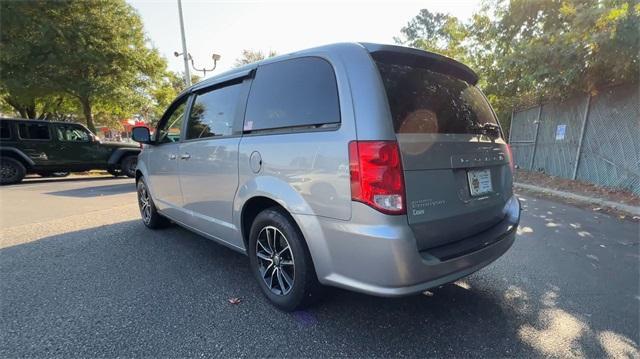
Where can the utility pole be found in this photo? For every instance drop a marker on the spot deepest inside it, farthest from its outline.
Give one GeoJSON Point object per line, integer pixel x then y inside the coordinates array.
{"type": "Point", "coordinates": [185, 54]}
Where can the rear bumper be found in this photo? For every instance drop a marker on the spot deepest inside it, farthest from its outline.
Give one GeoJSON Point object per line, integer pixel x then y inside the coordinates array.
{"type": "Point", "coordinates": [377, 254]}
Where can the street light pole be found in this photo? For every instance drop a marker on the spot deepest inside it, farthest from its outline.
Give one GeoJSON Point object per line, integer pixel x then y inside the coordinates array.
{"type": "Point", "coordinates": [185, 54]}
{"type": "Point", "coordinates": [204, 70]}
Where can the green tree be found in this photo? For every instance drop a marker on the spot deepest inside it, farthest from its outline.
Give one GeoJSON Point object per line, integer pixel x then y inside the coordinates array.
{"type": "Point", "coordinates": [436, 32]}
{"type": "Point", "coordinates": [547, 50]}
{"type": "Point", "coordinates": [111, 65]}
{"type": "Point", "coordinates": [23, 58]}
{"type": "Point", "coordinates": [163, 93]}
{"type": "Point", "coordinates": [251, 56]}
{"type": "Point", "coordinates": [93, 51]}
{"type": "Point", "coordinates": [532, 51]}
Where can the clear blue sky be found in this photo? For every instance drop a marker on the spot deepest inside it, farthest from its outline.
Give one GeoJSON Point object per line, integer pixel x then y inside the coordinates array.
{"type": "Point", "coordinates": [227, 27]}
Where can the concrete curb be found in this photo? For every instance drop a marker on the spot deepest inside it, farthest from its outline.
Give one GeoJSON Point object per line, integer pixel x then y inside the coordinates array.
{"type": "Point", "coordinates": [633, 210]}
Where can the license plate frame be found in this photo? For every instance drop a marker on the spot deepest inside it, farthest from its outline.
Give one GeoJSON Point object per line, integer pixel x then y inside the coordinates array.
{"type": "Point", "coordinates": [479, 182]}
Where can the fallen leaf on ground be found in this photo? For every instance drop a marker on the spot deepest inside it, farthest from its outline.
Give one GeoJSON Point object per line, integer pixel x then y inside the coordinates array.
{"type": "Point", "coordinates": [234, 300]}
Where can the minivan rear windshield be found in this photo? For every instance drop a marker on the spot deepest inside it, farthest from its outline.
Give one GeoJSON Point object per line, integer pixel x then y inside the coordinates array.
{"type": "Point", "coordinates": [424, 101]}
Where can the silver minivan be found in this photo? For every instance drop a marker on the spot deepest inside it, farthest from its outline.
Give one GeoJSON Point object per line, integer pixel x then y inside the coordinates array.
{"type": "Point", "coordinates": [376, 168]}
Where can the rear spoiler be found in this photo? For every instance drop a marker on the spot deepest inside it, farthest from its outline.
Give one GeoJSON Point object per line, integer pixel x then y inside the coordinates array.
{"type": "Point", "coordinates": [419, 58]}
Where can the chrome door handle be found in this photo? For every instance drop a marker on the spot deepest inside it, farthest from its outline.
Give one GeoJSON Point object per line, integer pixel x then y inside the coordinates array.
{"type": "Point", "coordinates": [185, 156]}
{"type": "Point", "coordinates": [172, 157]}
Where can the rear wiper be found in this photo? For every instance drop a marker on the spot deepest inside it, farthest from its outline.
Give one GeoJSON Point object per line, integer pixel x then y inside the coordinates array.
{"type": "Point", "coordinates": [491, 130]}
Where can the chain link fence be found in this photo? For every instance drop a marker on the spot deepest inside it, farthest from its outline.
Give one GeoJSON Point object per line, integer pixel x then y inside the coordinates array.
{"type": "Point", "coordinates": [590, 138]}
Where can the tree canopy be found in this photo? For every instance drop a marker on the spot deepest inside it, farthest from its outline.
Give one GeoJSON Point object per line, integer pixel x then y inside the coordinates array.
{"type": "Point", "coordinates": [251, 56]}
{"type": "Point", "coordinates": [437, 32]}
{"type": "Point", "coordinates": [531, 51]}
{"type": "Point", "coordinates": [22, 66]}
{"type": "Point", "coordinates": [92, 53]}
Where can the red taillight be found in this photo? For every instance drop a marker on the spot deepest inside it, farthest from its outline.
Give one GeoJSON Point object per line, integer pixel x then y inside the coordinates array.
{"type": "Point", "coordinates": [376, 175]}
{"type": "Point", "coordinates": [510, 154]}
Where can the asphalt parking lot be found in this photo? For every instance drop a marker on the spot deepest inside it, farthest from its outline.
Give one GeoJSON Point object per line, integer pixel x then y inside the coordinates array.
{"type": "Point", "coordinates": [80, 276]}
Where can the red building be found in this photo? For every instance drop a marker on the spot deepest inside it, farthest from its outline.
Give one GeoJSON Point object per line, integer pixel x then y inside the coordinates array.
{"type": "Point", "coordinates": [124, 134]}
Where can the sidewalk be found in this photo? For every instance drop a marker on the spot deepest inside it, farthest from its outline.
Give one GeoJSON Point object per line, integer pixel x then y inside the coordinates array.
{"type": "Point", "coordinates": [579, 192]}
{"type": "Point", "coordinates": [629, 209]}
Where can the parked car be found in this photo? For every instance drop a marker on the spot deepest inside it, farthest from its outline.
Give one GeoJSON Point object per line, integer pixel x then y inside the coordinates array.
{"type": "Point", "coordinates": [52, 148]}
{"type": "Point", "coordinates": [375, 168]}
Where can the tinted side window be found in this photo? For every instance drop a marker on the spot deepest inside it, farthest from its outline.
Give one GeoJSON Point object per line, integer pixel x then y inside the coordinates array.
{"type": "Point", "coordinates": [71, 133]}
{"type": "Point", "coordinates": [213, 113]}
{"type": "Point", "coordinates": [169, 131]}
{"type": "Point", "coordinates": [5, 130]}
{"type": "Point", "coordinates": [298, 92]}
{"type": "Point", "coordinates": [34, 131]}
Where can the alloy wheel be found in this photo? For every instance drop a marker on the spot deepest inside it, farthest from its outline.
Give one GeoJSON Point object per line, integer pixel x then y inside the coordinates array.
{"type": "Point", "coordinates": [145, 203]}
{"type": "Point", "coordinates": [7, 171]}
{"type": "Point", "coordinates": [275, 260]}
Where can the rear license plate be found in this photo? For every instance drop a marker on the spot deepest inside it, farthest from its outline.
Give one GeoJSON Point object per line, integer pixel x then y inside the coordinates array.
{"type": "Point", "coordinates": [479, 182]}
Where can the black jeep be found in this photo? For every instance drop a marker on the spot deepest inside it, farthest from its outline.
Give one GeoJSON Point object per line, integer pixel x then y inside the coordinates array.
{"type": "Point", "coordinates": [52, 148]}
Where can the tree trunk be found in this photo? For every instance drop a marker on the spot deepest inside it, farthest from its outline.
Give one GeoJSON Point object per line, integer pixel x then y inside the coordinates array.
{"type": "Point", "coordinates": [25, 111]}
{"type": "Point", "coordinates": [31, 111]}
{"type": "Point", "coordinates": [88, 116]}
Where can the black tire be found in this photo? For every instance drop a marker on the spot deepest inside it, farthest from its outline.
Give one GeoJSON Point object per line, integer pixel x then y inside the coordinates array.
{"type": "Point", "coordinates": [128, 165]}
{"type": "Point", "coordinates": [150, 216]}
{"type": "Point", "coordinates": [304, 288]}
{"type": "Point", "coordinates": [11, 171]}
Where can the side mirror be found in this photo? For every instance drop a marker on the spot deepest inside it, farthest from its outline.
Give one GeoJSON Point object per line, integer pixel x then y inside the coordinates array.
{"type": "Point", "coordinates": [141, 134]}
{"type": "Point", "coordinates": [94, 138]}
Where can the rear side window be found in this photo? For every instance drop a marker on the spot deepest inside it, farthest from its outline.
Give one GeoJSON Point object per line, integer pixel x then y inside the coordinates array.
{"type": "Point", "coordinates": [424, 101]}
{"type": "Point", "coordinates": [72, 133]}
{"type": "Point", "coordinates": [5, 130]}
{"type": "Point", "coordinates": [213, 113]}
{"type": "Point", "coordinates": [34, 131]}
{"type": "Point", "coordinates": [293, 93]}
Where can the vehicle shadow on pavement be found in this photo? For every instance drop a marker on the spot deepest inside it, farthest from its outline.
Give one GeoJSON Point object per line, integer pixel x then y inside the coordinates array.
{"type": "Point", "coordinates": [37, 180]}
{"type": "Point", "coordinates": [96, 191]}
{"type": "Point", "coordinates": [124, 290]}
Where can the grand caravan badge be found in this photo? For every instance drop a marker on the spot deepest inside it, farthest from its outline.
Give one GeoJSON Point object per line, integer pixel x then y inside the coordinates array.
{"type": "Point", "coordinates": [418, 207]}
